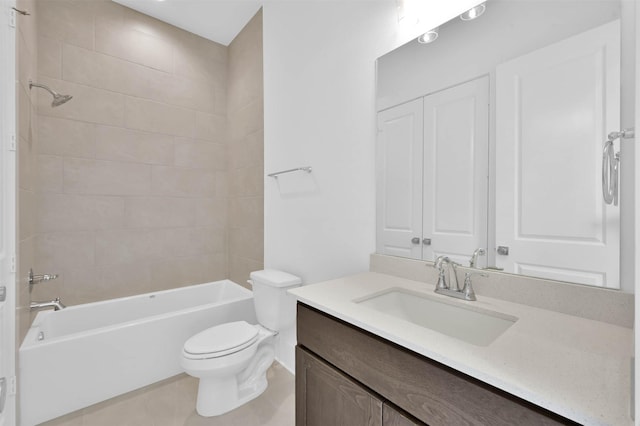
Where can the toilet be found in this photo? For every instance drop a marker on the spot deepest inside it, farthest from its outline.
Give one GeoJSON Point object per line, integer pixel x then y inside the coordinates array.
{"type": "Point", "coordinates": [231, 359]}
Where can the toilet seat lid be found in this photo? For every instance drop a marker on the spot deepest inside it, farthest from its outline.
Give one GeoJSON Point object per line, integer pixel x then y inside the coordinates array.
{"type": "Point", "coordinates": [229, 337]}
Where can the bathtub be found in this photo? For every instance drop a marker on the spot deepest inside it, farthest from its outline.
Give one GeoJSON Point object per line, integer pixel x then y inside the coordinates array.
{"type": "Point", "coordinates": [85, 354]}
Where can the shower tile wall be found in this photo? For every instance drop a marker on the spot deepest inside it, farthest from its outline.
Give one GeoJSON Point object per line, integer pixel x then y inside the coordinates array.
{"type": "Point", "coordinates": [246, 149]}
{"type": "Point", "coordinates": [26, 42]}
{"type": "Point", "coordinates": [133, 175]}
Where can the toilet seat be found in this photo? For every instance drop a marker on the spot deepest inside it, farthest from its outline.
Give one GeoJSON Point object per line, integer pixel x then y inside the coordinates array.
{"type": "Point", "coordinates": [221, 340]}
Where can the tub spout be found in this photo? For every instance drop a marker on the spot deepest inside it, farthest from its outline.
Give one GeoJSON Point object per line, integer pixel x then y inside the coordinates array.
{"type": "Point", "coordinates": [56, 304]}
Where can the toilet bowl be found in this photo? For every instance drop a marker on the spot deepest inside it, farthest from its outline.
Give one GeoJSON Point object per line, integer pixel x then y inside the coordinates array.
{"type": "Point", "coordinates": [231, 359]}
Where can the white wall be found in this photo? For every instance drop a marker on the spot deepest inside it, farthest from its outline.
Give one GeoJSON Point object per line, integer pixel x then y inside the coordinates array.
{"type": "Point", "coordinates": [319, 71]}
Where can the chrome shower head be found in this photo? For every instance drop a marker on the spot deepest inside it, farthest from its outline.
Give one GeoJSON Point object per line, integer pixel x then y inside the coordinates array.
{"type": "Point", "coordinates": [58, 99]}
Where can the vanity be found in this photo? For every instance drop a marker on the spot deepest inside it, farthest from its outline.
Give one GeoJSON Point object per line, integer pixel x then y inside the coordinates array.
{"type": "Point", "coordinates": [361, 360]}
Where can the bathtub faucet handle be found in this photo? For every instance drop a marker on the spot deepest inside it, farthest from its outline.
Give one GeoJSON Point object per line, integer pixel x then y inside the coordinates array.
{"type": "Point", "coordinates": [35, 279]}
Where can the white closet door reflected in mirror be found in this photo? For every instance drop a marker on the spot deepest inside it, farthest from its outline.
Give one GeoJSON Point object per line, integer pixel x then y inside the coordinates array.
{"type": "Point", "coordinates": [437, 206]}
{"type": "Point", "coordinates": [553, 106]}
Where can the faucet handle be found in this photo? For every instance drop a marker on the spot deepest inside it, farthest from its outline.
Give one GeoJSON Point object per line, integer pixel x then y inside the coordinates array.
{"type": "Point", "coordinates": [467, 290]}
{"type": "Point", "coordinates": [35, 279]}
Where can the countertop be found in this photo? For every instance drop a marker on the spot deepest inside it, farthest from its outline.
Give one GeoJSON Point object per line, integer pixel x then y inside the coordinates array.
{"type": "Point", "coordinates": [575, 367]}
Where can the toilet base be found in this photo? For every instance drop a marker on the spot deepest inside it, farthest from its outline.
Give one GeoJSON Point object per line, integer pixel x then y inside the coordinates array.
{"type": "Point", "coordinates": [218, 394]}
{"type": "Point", "coordinates": [216, 397]}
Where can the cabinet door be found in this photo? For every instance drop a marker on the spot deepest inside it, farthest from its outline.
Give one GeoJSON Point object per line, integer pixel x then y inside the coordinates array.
{"type": "Point", "coordinates": [327, 397]}
{"type": "Point", "coordinates": [399, 181]}
{"type": "Point", "coordinates": [456, 170]}
{"type": "Point", "coordinates": [392, 417]}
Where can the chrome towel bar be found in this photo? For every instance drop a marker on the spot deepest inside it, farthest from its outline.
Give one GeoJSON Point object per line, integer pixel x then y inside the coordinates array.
{"type": "Point", "coordinates": [297, 169]}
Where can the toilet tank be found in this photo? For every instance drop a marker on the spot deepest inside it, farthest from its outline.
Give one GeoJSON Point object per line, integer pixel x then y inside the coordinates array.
{"type": "Point", "coordinates": [275, 309]}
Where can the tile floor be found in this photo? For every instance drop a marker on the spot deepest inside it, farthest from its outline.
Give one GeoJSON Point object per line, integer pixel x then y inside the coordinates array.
{"type": "Point", "coordinates": [172, 402]}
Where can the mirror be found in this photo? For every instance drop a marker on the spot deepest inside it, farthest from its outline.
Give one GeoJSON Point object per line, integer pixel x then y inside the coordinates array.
{"type": "Point", "coordinates": [492, 137]}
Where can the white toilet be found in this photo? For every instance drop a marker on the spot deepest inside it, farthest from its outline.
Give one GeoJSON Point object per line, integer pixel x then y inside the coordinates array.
{"type": "Point", "coordinates": [231, 359]}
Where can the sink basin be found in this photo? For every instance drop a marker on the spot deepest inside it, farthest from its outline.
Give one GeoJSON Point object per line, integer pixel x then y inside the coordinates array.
{"type": "Point", "coordinates": [474, 325]}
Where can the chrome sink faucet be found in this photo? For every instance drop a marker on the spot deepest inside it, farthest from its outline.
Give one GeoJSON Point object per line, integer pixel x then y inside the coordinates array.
{"type": "Point", "coordinates": [442, 287]}
{"type": "Point", "coordinates": [56, 304]}
{"type": "Point", "coordinates": [440, 263]}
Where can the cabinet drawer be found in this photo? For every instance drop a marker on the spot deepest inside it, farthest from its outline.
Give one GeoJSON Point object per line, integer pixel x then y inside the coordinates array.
{"type": "Point", "coordinates": [430, 391]}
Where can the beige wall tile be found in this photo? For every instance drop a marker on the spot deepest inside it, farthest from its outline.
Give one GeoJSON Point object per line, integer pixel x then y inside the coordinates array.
{"type": "Point", "coordinates": [200, 154]}
{"type": "Point", "coordinates": [247, 120]}
{"type": "Point", "coordinates": [128, 246]}
{"type": "Point", "coordinates": [200, 59]}
{"type": "Point", "coordinates": [24, 114]}
{"type": "Point", "coordinates": [211, 212]}
{"type": "Point", "coordinates": [49, 57]}
{"type": "Point", "coordinates": [65, 250]}
{"type": "Point", "coordinates": [102, 71]}
{"type": "Point", "coordinates": [142, 114]}
{"type": "Point", "coordinates": [94, 177]}
{"type": "Point", "coordinates": [248, 151]}
{"type": "Point", "coordinates": [26, 68]}
{"type": "Point", "coordinates": [27, 172]}
{"type": "Point", "coordinates": [64, 212]}
{"type": "Point", "coordinates": [50, 173]}
{"type": "Point", "coordinates": [211, 127]}
{"type": "Point", "coordinates": [62, 137]}
{"type": "Point", "coordinates": [88, 104]}
{"type": "Point", "coordinates": [240, 269]}
{"type": "Point", "coordinates": [27, 216]}
{"type": "Point", "coordinates": [246, 242]}
{"type": "Point", "coordinates": [246, 212]}
{"type": "Point", "coordinates": [182, 271]}
{"type": "Point", "coordinates": [160, 212]}
{"type": "Point", "coordinates": [135, 162]}
{"type": "Point", "coordinates": [247, 182]}
{"type": "Point", "coordinates": [26, 260]}
{"type": "Point", "coordinates": [126, 42]}
{"type": "Point", "coordinates": [187, 93]}
{"type": "Point", "coordinates": [67, 21]}
{"type": "Point", "coordinates": [173, 181]}
{"type": "Point", "coordinates": [118, 144]}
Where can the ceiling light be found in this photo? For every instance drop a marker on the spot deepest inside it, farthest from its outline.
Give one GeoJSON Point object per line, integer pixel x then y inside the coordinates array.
{"type": "Point", "coordinates": [474, 12]}
{"type": "Point", "coordinates": [428, 37]}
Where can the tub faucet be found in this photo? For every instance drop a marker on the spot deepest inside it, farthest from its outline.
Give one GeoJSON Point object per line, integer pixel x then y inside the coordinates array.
{"type": "Point", "coordinates": [56, 304]}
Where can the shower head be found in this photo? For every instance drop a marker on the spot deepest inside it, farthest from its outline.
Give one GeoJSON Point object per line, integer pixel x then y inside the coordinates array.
{"type": "Point", "coordinates": [58, 99]}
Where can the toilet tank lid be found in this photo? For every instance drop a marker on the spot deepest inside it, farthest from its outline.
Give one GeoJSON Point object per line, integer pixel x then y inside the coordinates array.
{"type": "Point", "coordinates": [275, 278]}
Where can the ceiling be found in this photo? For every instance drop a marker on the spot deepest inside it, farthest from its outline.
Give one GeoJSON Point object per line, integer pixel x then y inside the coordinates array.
{"type": "Point", "coordinates": [217, 20]}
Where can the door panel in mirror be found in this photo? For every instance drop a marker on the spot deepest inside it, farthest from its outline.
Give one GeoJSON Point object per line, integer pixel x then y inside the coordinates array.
{"type": "Point", "coordinates": [399, 181]}
{"type": "Point", "coordinates": [553, 108]}
{"type": "Point", "coordinates": [456, 150]}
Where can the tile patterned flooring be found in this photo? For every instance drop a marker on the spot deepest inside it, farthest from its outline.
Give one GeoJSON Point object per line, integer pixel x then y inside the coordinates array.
{"type": "Point", "coordinates": [172, 402]}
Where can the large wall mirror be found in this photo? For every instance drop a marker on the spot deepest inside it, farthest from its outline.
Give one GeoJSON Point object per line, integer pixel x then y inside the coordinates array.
{"type": "Point", "coordinates": [491, 137]}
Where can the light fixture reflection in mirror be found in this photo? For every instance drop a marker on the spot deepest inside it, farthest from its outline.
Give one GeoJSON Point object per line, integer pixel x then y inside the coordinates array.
{"type": "Point", "coordinates": [428, 37]}
{"type": "Point", "coordinates": [474, 12]}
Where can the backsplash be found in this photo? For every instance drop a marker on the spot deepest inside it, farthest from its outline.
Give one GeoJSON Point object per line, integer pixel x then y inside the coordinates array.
{"type": "Point", "coordinates": [599, 304]}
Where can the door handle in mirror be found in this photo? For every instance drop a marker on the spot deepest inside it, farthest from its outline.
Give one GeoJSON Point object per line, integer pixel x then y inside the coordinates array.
{"type": "Point", "coordinates": [503, 250]}
{"type": "Point", "coordinates": [415, 240]}
{"type": "Point", "coordinates": [426, 241]}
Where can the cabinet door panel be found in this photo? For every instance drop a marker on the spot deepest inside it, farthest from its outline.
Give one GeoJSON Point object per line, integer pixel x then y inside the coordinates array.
{"type": "Point", "coordinates": [393, 417]}
{"type": "Point", "coordinates": [325, 396]}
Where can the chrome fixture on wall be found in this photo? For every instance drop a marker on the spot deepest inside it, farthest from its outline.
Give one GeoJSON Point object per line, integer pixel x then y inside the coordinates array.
{"type": "Point", "coordinates": [56, 304]}
{"type": "Point", "coordinates": [58, 99]}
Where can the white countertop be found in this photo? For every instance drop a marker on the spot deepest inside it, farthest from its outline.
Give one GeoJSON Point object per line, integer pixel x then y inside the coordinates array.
{"type": "Point", "coordinates": [575, 367]}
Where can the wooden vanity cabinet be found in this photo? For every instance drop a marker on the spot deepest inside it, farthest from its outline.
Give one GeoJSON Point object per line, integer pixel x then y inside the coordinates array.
{"type": "Point", "coordinates": [348, 376]}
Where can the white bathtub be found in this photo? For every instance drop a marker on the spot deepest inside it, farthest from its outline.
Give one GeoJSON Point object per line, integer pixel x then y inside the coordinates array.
{"type": "Point", "coordinates": [85, 354]}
